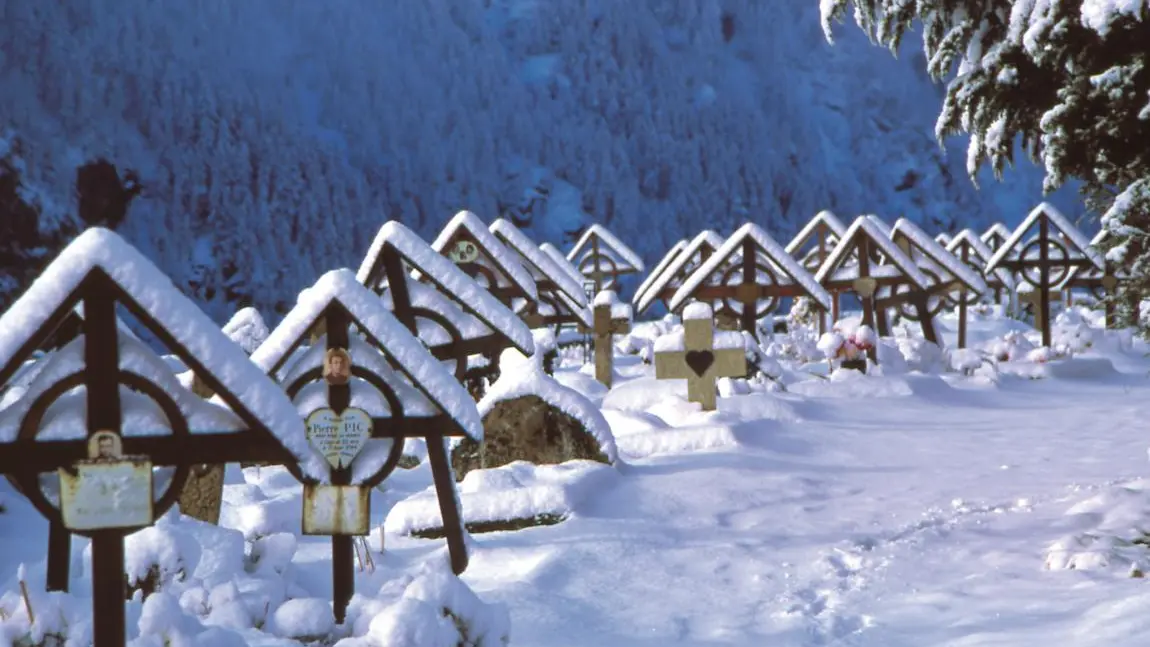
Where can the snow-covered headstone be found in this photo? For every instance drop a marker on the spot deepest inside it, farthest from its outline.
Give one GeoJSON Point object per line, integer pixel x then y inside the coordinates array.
{"type": "Point", "coordinates": [542, 441]}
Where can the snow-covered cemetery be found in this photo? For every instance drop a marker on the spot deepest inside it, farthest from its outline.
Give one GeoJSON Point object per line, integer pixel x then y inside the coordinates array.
{"type": "Point", "coordinates": [865, 435]}
{"type": "Point", "coordinates": [574, 323]}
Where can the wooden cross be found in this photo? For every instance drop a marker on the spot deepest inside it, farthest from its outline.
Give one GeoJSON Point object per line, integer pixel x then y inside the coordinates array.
{"type": "Point", "coordinates": [698, 361]}
{"type": "Point", "coordinates": [605, 328]}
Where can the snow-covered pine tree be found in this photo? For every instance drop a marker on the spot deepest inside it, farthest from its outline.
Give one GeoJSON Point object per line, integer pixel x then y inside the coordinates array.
{"type": "Point", "coordinates": [1069, 79]}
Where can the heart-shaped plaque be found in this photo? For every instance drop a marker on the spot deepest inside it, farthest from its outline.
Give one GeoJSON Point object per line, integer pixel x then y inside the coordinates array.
{"type": "Point", "coordinates": [699, 361]}
{"type": "Point", "coordinates": [865, 286]}
{"type": "Point", "coordinates": [339, 437]}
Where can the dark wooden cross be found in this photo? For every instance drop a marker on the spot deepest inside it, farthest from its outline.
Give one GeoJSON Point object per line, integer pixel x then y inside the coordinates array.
{"type": "Point", "coordinates": [336, 320]}
{"type": "Point", "coordinates": [598, 265]}
{"type": "Point", "coordinates": [699, 362]}
{"type": "Point", "coordinates": [25, 459]}
{"type": "Point", "coordinates": [751, 281]}
{"type": "Point", "coordinates": [934, 259]}
{"type": "Point", "coordinates": [1050, 271]}
{"type": "Point", "coordinates": [389, 269]}
{"type": "Point", "coordinates": [862, 244]}
{"type": "Point", "coordinates": [825, 232]}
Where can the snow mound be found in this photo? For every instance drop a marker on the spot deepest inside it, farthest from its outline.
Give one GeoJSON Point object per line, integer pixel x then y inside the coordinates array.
{"type": "Point", "coordinates": [518, 490]}
{"type": "Point", "coordinates": [521, 376]}
{"type": "Point", "coordinates": [853, 384]}
{"type": "Point", "coordinates": [1110, 532]}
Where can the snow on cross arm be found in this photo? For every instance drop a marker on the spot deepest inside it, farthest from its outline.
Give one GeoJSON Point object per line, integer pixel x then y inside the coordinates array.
{"type": "Point", "coordinates": [612, 243]}
{"type": "Point", "coordinates": [162, 300]}
{"type": "Point", "coordinates": [697, 310]}
{"type": "Point", "coordinates": [64, 419]}
{"type": "Point", "coordinates": [504, 261]}
{"type": "Point", "coordinates": [778, 257]}
{"type": "Point", "coordinates": [934, 251]}
{"type": "Point", "coordinates": [464, 290]}
{"type": "Point", "coordinates": [525, 247]}
{"type": "Point", "coordinates": [410, 356]}
{"type": "Point", "coordinates": [610, 299]}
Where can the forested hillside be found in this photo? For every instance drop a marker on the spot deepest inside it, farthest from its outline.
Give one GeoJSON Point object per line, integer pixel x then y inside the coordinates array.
{"type": "Point", "coordinates": [250, 146]}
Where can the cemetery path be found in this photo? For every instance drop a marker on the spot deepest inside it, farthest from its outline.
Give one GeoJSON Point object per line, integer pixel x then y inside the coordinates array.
{"type": "Point", "coordinates": [864, 523]}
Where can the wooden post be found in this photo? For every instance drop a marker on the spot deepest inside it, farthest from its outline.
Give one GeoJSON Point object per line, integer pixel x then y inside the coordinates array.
{"type": "Point", "coordinates": [102, 361]}
{"type": "Point", "coordinates": [1043, 286]}
{"type": "Point", "coordinates": [699, 362]}
{"type": "Point", "coordinates": [965, 257]}
{"type": "Point", "coordinates": [59, 556]}
{"type": "Point", "coordinates": [342, 545]}
{"type": "Point", "coordinates": [605, 328]}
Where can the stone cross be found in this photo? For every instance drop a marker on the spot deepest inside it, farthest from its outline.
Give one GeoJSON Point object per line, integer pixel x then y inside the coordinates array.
{"type": "Point", "coordinates": [696, 359]}
{"type": "Point", "coordinates": [605, 326]}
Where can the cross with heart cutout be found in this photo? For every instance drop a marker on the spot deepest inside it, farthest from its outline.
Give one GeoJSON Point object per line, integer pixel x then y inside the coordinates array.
{"type": "Point", "coordinates": [697, 355]}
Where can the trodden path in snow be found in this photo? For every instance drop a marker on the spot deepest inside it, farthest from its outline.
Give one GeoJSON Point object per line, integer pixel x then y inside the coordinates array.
{"type": "Point", "coordinates": [914, 520]}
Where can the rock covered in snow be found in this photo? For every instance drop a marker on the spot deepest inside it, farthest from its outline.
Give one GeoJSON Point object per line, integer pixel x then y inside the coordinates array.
{"type": "Point", "coordinates": [529, 416]}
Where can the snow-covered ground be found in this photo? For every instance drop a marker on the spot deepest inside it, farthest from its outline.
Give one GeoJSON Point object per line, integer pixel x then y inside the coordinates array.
{"type": "Point", "coordinates": [904, 509]}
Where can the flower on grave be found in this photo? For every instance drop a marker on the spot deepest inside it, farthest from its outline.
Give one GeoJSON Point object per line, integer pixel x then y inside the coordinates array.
{"type": "Point", "coordinates": [837, 346]}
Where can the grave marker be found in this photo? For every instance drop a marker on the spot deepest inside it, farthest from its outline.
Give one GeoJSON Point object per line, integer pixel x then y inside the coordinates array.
{"type": "Point", "coordinates": [865, 260]}
{"type": "Point", "coordinates": [975, 253]}
{"type": "Point", "coordinates": [1100, 284]}
{"type": "Point", "coordinates": [466, 241]}
{"type": "Point", "coordinates": [1044, 261]}
{"type": "Point", "coordinates": [748, 276]}
{"type": "Point", "coordinates": [97, 452]}
{"type": "Point", "coordinates": [995, 236]}
{"type": "Point", "coordinates": [452, 314]}
{"type": "Point", "coordinates": [600, 256]}
{"type": "Point", "coordinates": [561, 300]}
{"type": "Point", "coordinates": [394, 390]}
{"type": "Point", "coordinates": [946, 273]}
{"type": "Point", "coordinates": [824, 231]}
{"type": "Point", "coordinates": [612, 317]}
{"type": "Point", "coordinates": [664, 286]}
{"type": "Point", "coordinates": [700, 355]}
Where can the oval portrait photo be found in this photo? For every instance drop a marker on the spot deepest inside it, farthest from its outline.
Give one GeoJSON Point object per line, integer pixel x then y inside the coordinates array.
{"type": "Point", "coordinates": [336, 366]}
